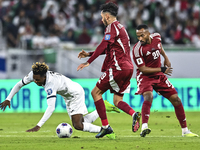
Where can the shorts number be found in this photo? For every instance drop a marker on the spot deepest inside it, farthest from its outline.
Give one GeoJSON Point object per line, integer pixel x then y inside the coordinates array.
{"type": "Point", "coordinates": [103, 76]}
{"type": "Point", "coordinates": [168, 83]}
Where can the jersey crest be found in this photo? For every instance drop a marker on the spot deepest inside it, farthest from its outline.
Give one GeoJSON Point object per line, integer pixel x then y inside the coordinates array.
{"type": "Point", "coordinates": [49, 91]}
{"type": "Point", "coordinates": [107, 37]}
{"type": "Point", "coordinates": [139, 61]}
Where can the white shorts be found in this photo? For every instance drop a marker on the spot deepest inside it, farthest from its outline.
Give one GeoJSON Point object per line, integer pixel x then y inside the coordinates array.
{"type": "Point", "coordinates": [76, 105]}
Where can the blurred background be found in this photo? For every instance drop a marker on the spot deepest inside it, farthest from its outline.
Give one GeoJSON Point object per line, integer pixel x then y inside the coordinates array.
{"type": "Point", "coordinates": [55, 31]}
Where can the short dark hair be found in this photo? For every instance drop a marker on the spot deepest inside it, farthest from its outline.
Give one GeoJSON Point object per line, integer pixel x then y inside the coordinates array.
{"type": "Point", "coordinates": [142, 26]}
{"type": "Point", "coordinates": [110, 7]}
{"type": "Point", "coordinates": [40, 68]}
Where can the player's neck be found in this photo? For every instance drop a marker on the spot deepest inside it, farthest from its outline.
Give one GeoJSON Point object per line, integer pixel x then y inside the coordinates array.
{"type": "Point", "coordinates": [149, 41]}
{"type": "Point", "coordinates": [112, 20]}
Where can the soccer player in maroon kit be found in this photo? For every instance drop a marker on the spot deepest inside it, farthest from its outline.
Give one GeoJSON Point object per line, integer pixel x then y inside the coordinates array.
{"type": "Point", "coordinates": [151, 76]}
{"type": "Point", "coordinates": [117, 68]}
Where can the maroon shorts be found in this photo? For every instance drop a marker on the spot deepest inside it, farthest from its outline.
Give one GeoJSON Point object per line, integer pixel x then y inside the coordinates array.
{"type": "Point", "coordinates": [159, 83]}
{"type": "Point", "coordinates": [118, 81]}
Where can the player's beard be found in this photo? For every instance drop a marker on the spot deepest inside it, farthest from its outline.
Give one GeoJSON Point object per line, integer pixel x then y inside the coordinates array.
{"type": "Point", "coordinates": [105, 22]}
{"type": "Point", "coordinates": [143, 42]}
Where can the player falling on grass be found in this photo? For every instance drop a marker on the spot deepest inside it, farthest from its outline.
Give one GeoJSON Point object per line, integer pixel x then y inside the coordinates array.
{"type": "Point", "coordinates": [151, 76]}
{"type": "Point", "coordinates": [73, 94]}
{"type": "Point", "coordinates": [117, 68]}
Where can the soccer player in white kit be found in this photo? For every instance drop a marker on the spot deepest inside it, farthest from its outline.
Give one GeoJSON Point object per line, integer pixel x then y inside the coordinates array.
{"type": "Point", "coordinates": [55, 83]}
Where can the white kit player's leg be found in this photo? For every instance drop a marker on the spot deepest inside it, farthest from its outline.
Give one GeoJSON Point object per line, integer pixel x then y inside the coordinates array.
{"type": "Point", "coordinates": [88, 127]}
{"type": "Point", "coordinates": [91, 117]}
{"type": "Point", "coordinates": [88, 119]}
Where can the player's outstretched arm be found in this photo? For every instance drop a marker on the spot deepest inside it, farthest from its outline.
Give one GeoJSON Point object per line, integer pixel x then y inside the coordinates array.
{"type": "Point", "coordinates": [166, 59]}
{"type": "Point", "coordinates": [4, 104]}
{"type": "Point", "coordinates": [83, 54]}
{"type": "Point", "coordinates": [34, 129]}
{"type": "Point", "coordinates": [83, 65]}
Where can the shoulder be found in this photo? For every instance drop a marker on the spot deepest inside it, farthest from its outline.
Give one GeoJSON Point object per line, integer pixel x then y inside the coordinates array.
{"type": "Point", "coordinates": [28, 78]}
{"type": "Point", "coordinates": [136, 49]}
{"type": "Point", "coordinates": [156, 36]}
{"type": "Point", "coordinates": [108, 29]}
{"type": "Point", "coordinates": [113, 27]}
{"type": "Point", "coordinates": [29, 75]}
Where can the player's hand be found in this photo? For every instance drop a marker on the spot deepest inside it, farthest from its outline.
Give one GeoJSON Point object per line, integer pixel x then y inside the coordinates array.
{"type": "Point", "coordinates": [168, 71]}
{"type": "Point", "coordinates": [35, 129]}
{"type": "Point", "coordinates": [83, 65]}
{"type": "Point", "coordinates": [4, 104]}
{"type": "Point", "coordinates": [83, 54]}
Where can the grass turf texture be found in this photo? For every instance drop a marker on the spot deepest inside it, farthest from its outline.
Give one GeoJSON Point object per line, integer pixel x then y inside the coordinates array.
{"type": "Point", "coordinates": [165, 133]}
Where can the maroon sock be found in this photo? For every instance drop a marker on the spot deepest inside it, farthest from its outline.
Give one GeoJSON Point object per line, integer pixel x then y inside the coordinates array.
{"type": "Point", "coordinates": [101, 109]}
{"type": "Point", "coordinates": [146, 106]}
{"type": "Point", "coordinates": [180, 114]}
{"type": "Point", "coordinates": [125, 107]}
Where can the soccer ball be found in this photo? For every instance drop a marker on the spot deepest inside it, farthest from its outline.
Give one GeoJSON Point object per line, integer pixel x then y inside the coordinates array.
{"type": "Point", "coordinates": [64, 130]}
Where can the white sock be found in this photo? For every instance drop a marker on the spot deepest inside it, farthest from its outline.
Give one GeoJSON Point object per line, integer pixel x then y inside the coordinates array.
{"type": "Point", "coordinates": [91, 117]}
{"type": "Point", "coordinates": [88, 127]}
{"type": "Point", "coordinates": [144, 126]}
{"type": "Point", "coordinates": [105, 127]}
{"type": "Point", "coordinates": [133, 114]}
{"type": "Point", "coordinates": [184, 130]}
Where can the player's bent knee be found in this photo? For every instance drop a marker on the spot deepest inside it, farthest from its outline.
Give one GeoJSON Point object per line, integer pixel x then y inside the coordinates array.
{"type": "Point", "coordinates": [78, 126]}
{"type": "Point", "coordinates": [93, 92]}
{"type": "Point", "coordinates": [175, 100]}
{"type": "Point", "coordinates": [96, 93]}
{"type": "Point", "coordinates": [116, 103]}
{"type": "Point", "coordinates": [148, 96]}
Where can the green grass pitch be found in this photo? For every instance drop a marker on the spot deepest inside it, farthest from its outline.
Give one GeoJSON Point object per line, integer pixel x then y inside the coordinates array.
{"type": "Point", "coordinates": [165, 133]}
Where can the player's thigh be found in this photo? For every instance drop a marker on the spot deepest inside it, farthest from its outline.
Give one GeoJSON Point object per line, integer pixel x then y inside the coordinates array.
{"type": "Point", "coordinates": [103, 82]}
{"type": "Point", "coordinates": [96, 93]}
{"type": "Point", "coordinates": [117, 81]}
{"type": "Point", "coordinates": [76, 105]}
{"type": "Point", "coordinates": [144, 84]}
{"type": "Point", "coordinates": [122, 79]}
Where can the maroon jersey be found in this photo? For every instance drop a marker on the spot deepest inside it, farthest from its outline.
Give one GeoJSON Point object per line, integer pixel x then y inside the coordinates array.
{"type": "Point", "coordinates": [149, 54]}
{"type": "Point", "coordinates": [116, 46]}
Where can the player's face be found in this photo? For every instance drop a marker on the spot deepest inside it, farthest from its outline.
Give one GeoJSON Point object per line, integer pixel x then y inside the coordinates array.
{"type": "Point", "coordinates": [105, 22]}
{"type": "Point", "coordinates": [39, 80]}
{"type": "Point", "coordinates": [143, 36]}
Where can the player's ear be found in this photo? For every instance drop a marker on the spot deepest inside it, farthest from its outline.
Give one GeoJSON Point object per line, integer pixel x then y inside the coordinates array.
{"type": "Point", "coordinates": [107, 16]}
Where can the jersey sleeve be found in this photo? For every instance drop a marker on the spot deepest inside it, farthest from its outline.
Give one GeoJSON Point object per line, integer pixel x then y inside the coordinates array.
{"type": "Point", "coordinates": [50, 109]}
{"type": "Point", "coordinates": [28, 78]}
{"type": "Point", "coordinates": [138, 55]}
{"type": "Point", "coordinates": [14, 90]}
{"type": "Point", "coordinates": [156, 36]}
{"type": "Point", "coordinates": [108, 39]}
{"type": "Point", "coordinates": [99, 51]}
{"type": "Point", "coordinates": [51, 89]}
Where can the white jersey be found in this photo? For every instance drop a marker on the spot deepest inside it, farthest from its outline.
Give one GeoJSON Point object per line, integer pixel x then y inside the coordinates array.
{"type": "Point", "coordinates": [56, 83]}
